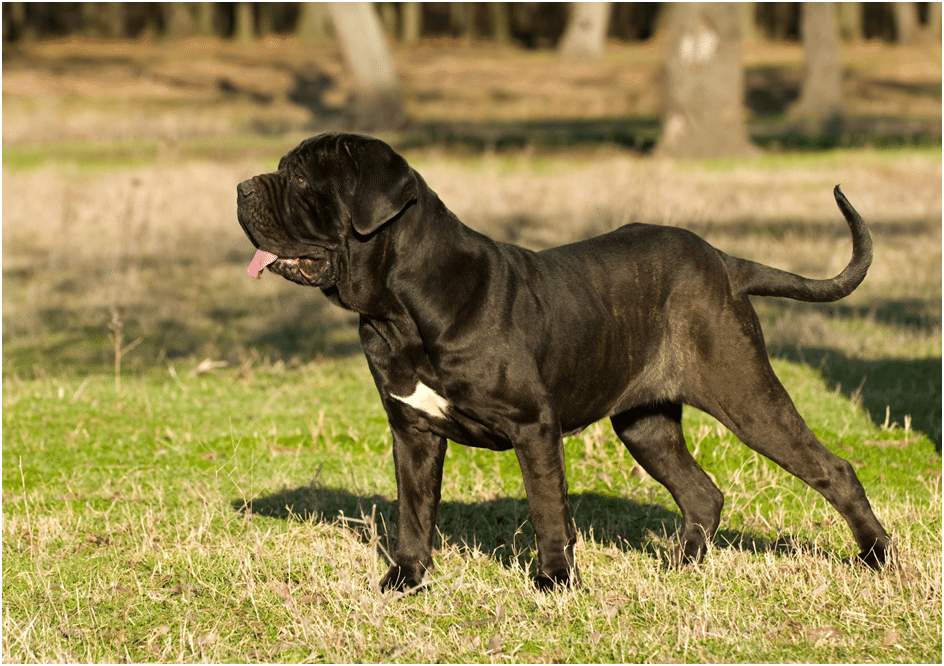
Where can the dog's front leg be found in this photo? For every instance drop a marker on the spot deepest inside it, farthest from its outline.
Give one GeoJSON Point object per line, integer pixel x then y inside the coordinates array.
{"type": "Point", "coordinates": [418, 457]}
{"type": "Point", "coordinates": [541, 457]}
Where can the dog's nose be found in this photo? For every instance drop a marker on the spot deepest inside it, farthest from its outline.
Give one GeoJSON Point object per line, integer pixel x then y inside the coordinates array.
{"type": "Point", "coordinates": [246, 188]}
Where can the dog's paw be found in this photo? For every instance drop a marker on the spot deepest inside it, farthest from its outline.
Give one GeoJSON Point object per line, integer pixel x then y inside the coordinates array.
{"type": "Point", "coordinates": [877, 558]}
{"type": "Point", "coordinates": [401, 579]}
{"type": "Point", "coordinates": [558, 580]}
{"type": "Point", "coordinates": [690, 553]}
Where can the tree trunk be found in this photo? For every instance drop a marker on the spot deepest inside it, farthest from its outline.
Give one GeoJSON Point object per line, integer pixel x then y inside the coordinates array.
{"type": "Point", "coordinates": [16, 24]}
{"type": "Point", "coordinates": [245, 29]}
{"type": "Point", "coordinates": [313, 22]}
{"type": "Point", "coordinates": [388, 18]}
{"type": "Point", "coordinates": [265, 24]}
{"type": "Point", "coordinates": [206, 18]}
{"type": "Point", "coordinates": [103, 20]}
{"type": "Point", "coordinates": [377, 100]}
{"type": "Point", "coordinates": [934, 20]}
{"type": "Point", "coordinates": [501, 22]}
{"type": "Point", "coordinates": [460, 18]}
{"type": "Point", "coordinates": [850, 21]}
{"type": "Point", "coordinates": [585, 35]}
{"type": "Point", "coordinates": [412, 22]}
{"type": "Point", "coordinates": [906, 22]}
{"type": "Point", "coordinates": [703, 110]}
{"type": "Point", "coordinates": [749, 21]}
{"type": "Point", "coordinates": [821, 92]}
{"type": "Point", "coordinates": [178, 20]}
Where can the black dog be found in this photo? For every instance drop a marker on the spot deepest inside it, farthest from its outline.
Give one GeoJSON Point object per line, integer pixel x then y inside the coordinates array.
{"type": "Point", "coordinates": [496, 346]}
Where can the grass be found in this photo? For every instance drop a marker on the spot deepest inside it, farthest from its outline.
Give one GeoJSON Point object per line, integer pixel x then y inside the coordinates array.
{"type": "Point", "coordinates": [126, 538]}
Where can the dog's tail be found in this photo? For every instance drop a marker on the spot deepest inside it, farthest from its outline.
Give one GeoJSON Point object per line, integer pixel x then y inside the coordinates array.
{"type": "Point", "coordinates": [759, 280]}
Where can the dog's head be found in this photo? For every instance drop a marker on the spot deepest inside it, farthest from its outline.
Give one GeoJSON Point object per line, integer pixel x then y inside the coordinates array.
{"type": "Point", "coordinates": [329, 192]}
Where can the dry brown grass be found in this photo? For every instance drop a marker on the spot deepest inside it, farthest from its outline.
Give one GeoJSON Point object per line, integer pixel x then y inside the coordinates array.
{"type": "Point", "coordinates": [162, 242]}
{"type": "Point", "coordinates": [80, 90]}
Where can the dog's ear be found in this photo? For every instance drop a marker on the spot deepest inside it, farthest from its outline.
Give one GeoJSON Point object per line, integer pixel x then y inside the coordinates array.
{"type": "Point", "coordinates": [385, 186]}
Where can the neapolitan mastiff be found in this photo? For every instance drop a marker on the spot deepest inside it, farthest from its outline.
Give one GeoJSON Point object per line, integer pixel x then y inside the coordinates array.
{"type": "Point", "coordinates": [495, 346]}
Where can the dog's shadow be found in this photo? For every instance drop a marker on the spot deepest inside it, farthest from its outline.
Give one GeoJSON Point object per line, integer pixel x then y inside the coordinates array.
{"type": "Point", "coordinates": [500, 527]}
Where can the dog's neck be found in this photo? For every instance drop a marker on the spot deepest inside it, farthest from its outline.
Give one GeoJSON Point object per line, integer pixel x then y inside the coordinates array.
{"type": "Point", "coordinates": [422, 240]}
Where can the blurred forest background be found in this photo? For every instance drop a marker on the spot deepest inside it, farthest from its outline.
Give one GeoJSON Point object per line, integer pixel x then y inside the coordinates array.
{"type": "Point", "coordinates": [702, 72]}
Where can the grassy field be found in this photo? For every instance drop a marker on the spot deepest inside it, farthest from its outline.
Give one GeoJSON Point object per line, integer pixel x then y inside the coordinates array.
{"type": "Point", "coordinates": [231, 499]}
{"type": "Point", "coordinates": [126, 537]}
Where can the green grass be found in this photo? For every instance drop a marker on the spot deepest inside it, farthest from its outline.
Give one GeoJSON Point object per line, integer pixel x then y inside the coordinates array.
{"type": "Point", "coordinates": [126, 538]}
{"type": "Point", "coordinates": [90, 156]}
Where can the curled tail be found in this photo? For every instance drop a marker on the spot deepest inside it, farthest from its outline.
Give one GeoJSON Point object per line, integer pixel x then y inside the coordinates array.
{"type": "Point", "coordinates": [749, 277]}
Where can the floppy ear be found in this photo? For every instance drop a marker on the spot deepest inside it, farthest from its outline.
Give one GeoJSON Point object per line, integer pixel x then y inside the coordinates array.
{"type": "Point", "coordinates": [385, 186]}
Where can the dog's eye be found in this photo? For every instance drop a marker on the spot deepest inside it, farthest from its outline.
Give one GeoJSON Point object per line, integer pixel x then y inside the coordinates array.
{"type": "Point", "coordinates": [300, 180]}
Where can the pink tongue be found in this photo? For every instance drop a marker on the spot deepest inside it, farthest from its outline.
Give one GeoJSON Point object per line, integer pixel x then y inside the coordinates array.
{"type": "Point", "coordinates": [259, 262]}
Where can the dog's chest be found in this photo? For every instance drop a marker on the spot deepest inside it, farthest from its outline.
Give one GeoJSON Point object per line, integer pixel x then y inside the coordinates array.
{"type": "Point", "coordinates": [463, 424]}
{"type": "Point", "coordinates": [425, 400]}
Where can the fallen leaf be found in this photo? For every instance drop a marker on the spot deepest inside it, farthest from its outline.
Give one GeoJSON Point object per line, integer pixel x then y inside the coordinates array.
{"type": "Point", "coordinates": [886, 443]}
{"type": "Point", "coordinates": [494, 645]}
{"type": "Point", "coordinates": [819, 590]}
{"type": "Point", "coordinates": [891, 638]}
{"type": "Point", "coordinates": [827, 633]}
{"type": "Point", "coordinates": [69, 632]}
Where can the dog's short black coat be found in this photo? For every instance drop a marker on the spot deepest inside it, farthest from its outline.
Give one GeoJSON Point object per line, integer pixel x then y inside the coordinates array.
{"type": "Point", "coordinates": [492, 345]}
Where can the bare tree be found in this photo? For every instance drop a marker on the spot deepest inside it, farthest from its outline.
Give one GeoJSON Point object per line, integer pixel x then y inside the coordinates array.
{"type": "Point", "coordinates": [377, 100]}
{"type": "Point", "coordinates": [906, 22]}
{"type": "Point", "coordinates": [206, 18]}
{"type": "Point", "coordinates": [934, 20]}
{"type": "Point", "coordinates": [821, 92]}
{"type": "Point", "coordinates": [103, 19]}
{"type": "Point", "coordinates": [245, 28]}
{"type": "Point", "coordinates": [851, 21]}
{"type": "Point", "coordinates": [265, 18]}
{"type": "Point", "coordinates": [15, 23]}
{"type": "Point", "coordinates": [501, 22]}
{"type": "Point", "coordinates": [703, 109]}
{"type": "Point", "coordinates": [313, 22]}
{"type": "Point", "coordinates": [585, 35]}
{"type": "Point", "coordinates": [388, 17]}
{"type": "Point", "coordinates": [749, 30]}
{"type": "Point", "coordinates": [412, 20]}
{"type": "Point", "coordinates": [179, 20]}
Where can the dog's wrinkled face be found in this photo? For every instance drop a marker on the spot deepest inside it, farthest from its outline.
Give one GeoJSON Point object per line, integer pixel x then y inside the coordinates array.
{"type": "Point", "coordinates": [293, 216]}
{"type": "Point", "coordinates": [331, 190]}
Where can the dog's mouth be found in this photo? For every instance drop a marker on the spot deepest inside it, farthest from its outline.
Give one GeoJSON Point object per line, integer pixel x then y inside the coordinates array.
{"type": "Point", "coordinates": [259, 262]}
{"type": "Point", "coordinates": [307, 267]}
{"type": "Point", "coordinates": [313, 272]}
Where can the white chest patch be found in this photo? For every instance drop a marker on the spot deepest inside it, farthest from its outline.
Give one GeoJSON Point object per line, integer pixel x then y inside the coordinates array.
{"type": "Point", "coordinates": [426, 400]}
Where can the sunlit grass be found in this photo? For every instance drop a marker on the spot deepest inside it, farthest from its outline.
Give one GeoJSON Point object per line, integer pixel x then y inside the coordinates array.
{"type": "Point", "coordinates": [125, 535]}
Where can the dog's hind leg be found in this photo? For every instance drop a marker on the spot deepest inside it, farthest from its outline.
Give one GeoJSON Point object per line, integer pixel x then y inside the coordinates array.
{"type": "Point", "coordinates": [653, 436]}
{"type": "Point", "coordinates": [746, 396]}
